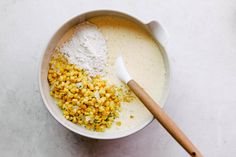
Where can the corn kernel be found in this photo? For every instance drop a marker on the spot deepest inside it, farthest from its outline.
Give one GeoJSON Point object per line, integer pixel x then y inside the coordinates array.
{"type": "Point", "coordinates": [118, 123]}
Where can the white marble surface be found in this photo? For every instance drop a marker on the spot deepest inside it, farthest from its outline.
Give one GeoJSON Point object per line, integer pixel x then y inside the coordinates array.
{"type": "Point", "coordinates": [202, 99]}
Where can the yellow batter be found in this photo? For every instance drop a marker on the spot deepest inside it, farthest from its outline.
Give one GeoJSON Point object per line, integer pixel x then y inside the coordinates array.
{"type": "Point", "coordinates": [143, 60]}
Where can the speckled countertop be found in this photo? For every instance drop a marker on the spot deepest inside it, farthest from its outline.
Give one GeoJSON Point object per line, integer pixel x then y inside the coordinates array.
{"type": "Point", "coordinates": [202, 99]}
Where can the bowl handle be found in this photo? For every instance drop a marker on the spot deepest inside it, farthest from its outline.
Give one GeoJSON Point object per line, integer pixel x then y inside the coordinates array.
{"type": "Point", "coordinates": [159, 32]}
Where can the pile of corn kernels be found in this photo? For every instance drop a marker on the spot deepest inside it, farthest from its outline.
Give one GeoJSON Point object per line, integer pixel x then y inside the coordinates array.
{"type": "Point", "coordinates": [84, 100]}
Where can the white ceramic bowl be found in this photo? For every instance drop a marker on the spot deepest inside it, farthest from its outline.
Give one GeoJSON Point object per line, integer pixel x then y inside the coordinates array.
{"type": "Point", "coordinates": [155, 29]}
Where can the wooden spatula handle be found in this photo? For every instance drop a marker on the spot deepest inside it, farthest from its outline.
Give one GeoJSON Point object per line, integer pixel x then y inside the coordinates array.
{"type": "Point", "coordinates": [164, 119]}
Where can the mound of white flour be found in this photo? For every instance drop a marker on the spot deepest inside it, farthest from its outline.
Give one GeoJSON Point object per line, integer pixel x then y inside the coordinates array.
{"type": "Point", "coordinates": [87, 49]}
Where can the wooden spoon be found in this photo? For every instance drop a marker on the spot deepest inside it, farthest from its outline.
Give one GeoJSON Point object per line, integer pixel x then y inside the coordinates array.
{"type": "Point", "coordinates": [156, 110]}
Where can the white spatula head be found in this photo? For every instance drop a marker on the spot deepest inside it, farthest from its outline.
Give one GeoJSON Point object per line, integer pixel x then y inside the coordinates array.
{"type": "Point", "coordinates": [121, 70]}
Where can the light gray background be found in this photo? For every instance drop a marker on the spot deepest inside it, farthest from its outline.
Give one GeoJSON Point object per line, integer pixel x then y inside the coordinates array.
{"type": "Point", "coordinates": [202, 51]}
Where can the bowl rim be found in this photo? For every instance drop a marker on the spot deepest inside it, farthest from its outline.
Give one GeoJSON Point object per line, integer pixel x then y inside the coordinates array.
{"type": "Point", "coordinates": [166, 87]}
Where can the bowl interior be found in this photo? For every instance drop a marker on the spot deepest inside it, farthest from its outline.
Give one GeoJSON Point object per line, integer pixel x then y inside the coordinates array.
{"type": "Point", "coordinates": [44, 86]}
